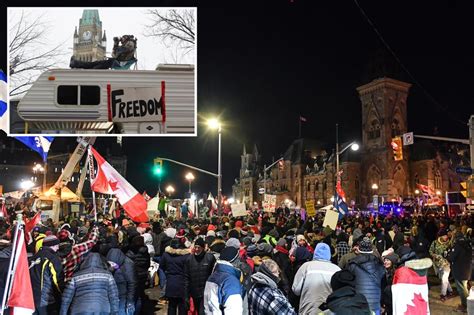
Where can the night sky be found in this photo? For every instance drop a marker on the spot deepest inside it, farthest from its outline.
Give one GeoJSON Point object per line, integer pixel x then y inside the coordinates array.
{"type": "Point", "coordinates": [262, 66]}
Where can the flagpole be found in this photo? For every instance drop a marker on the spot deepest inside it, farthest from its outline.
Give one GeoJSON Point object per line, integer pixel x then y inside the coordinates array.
{"type": "Point", "coordinates": [90, 162]}
{"type": "Point", "coordinates": [12, 264]}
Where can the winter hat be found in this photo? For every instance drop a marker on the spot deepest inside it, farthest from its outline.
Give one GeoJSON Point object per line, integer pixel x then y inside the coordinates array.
{"type": "Point", "coordinates": [443, 232]}
{"type": "Point", "coordinates": [356, 234]}
{"type": "Point", "coordinates": [302, 254]}
{"type": "Point", "coordinates": [300, 237]}
{"type": "Point", "coordinates": [170, 232]}
{"type": "Point", "coordinates": [282, 242]}
{"type": "Point", "coordinates": [403, 250]}
{"type": "Point", "coordinates": [211, 227]}
{"type": "Point", "coordinates": [341, 279]}
{"type": "Point", "coordinates": [365, 246]}
{"type": "Point", "coordinates": [247, 241]}
{"type": "Point", "coordinates": [322, 252]}
{"type": "Point", "coordinates": [200, 242]}
{"type": "Point", "coordinates": [175, 243]}
{"type": "Point", "coordinates": [342, 237]}
{"type": "Point", "coordinates": [238, 224]}
{"type": "Point", "coordinates": [233, 234]}
{"type": "Point", "coordinates": [64, 236]}
{"type": "Point", "coordinates": [211, 233]}
{"type": "Point", "coordinates": [387, 252]}
{"type": "Point", "coordinates": [233, 242]}
{"type": "Point", "coordinates": [274, 233]}
{"type": "Point", "coordinates": [252, 250]}
{"type": "Point", "coordinates": [50, 240]}
{"type": "Point", "coordinates": [264, 249]}
{"type": "Point", "coordinates": [229, 254]}
{"type": "Point", "coordinates": [181, 233]}
{"type": "Point", "coordinates": [392, 257]}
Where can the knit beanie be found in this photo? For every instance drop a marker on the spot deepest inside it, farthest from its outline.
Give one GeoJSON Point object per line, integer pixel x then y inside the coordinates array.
{"type": "Point", "coordinates": [341, 279]}
{"type": "Point", "coordinates": [233, 242]}
{"type": "Point", "coordinates": [365, 246]}
{"type": "Point", "coordinates": [282, 242]}
{"type": "Point", "coordinates": [229, 254]}
{"type": "Point", "coordinates": [200, 242]}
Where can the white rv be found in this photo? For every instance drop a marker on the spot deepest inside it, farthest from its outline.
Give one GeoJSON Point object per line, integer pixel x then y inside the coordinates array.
{"type": "Point", "coordinates": [81, 101]}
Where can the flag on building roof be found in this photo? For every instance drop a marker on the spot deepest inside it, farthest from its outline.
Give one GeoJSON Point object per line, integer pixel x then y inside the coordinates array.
{"type": "Point", "coordinates": [108, 180]}
{"type": "Point", "coordinates": [3, 101]}
{"type": "Point", "coordinates": [20, 300]}
{"type": "Point", "coordinates": [39, 144]}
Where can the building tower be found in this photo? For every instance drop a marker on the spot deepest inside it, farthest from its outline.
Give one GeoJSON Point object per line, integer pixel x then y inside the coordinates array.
{"type": "Point", "coordinates": [89, 41]}
{"type": "Point", "coordinates": [384, 116]}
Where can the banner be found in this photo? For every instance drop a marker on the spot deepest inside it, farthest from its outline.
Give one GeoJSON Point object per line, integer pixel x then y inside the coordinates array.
{"type": "Point", "coordinates": [238, 210]}
{"type": "Point", "coordinates": [331, 219]}
{"type": "Point", "coordinates": [136, 104]}
{"type": "Point", "coordinates": [310, 209]}
{"type": "Point", "coordinates": [269, 203]}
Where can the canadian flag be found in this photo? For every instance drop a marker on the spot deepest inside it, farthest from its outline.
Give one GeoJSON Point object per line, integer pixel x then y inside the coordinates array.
{"type": "Point", "coordinates": [30, 224]}
{"type": "Point", "coordinates": [21, 300]}
{"type": "Point", "coordinates": [109, 181]}
{"type": "Point", "coordinates": [409, 293]}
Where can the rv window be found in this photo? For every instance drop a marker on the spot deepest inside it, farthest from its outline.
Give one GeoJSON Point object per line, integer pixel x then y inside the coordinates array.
{"type": "Point", "coordinates": [67, 94]}
{"type": "Point", "coordinates": [90, 95]}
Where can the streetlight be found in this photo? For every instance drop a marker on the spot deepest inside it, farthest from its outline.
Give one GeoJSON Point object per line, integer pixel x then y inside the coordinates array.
{"type": "Point", "coordinates": [26, 184]}
{"type": "Point", "coordinates": [170, 190]}
{"type": "Point", "coordinates": [375, 198]}
{"type": "Point", "coordinates": [215, 124]}
{"type": "Point", "coordinates": [39, 168]}
{"type": "Point", "coordinates": [190, 178]}
{"type": "Point", "coordinates": [354, 147]}
{"type": "Point", "coordinates": [375, 186]}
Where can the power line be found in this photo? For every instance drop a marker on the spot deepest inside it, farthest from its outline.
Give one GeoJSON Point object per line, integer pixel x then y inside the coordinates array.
{"type": "Point", "coordinates": [415, 81]}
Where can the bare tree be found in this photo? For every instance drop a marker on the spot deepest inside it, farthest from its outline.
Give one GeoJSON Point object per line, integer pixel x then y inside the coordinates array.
{"type": "Point", "coordinates": [173, 27]}
{"type": "Point", "coordinates": [30, 51]}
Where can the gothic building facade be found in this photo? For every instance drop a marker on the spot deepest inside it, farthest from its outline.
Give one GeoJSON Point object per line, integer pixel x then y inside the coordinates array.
{"type": "Point", "coordinates": [89, 41]}
{"type": "Point", "coordinates": [309, 166]}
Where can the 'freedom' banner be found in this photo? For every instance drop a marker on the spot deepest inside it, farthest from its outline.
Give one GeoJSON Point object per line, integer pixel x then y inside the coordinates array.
{"type": "Point", "coordinates": [136, 104]}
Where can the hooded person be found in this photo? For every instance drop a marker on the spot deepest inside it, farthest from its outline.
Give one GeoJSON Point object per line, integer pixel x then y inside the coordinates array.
{"type": "Point", "coordinates": [344, 298]}
{"type": "Point", "coordinates": [313, 280]}
{"type": "Point", "coordinates": [138, 253]}
{"type": "Point", "coordinates": [199, 267]}
{"type": "Point", "coordinates": [47, 278]}
{"type": "Point", "coordinates": [223, 293]}
{"type": "Point", "coordinates": [439, 251]}
{"type": "Point", "coordinates": [123, 271]}
{"type": "Point", "coordinates": [264, 296]}
{"type": "Point", "coordinates": [92, 290]}
{"type": "Point", "coordinates": [173, 263]}
{"type": "Point", "coordinates": [369, 271]}
{"type": "Point", "coordinates": [460, 258]}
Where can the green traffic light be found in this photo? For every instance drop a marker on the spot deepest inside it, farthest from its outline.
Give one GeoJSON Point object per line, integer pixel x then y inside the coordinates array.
{"type": "Point", "coordinates": [158, 170]}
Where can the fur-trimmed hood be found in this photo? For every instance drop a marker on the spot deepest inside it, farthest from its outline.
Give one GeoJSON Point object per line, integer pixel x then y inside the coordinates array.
{"type": "Point", "coordinates": [177, 252]}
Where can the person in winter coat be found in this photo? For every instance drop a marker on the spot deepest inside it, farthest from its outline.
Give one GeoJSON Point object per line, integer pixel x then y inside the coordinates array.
{"type": "Point", "coordinates": [91, 291]}
{"type": "Point", "coordinates": [173, 263]}
{"type": "Point", "coordinates": [344, 298]}
{"type": "Point", "coordinates": [460, 258]}
{"type": "Point", "coordinates": [390, 262]}
{"type": "Point", "coordinates": [199, 267]}
{"type": "Point", "coordinates": [138, 253]}
{"type": "Point", "coordinates": [280, 256]}
{"type": "Point", "coordinates": [223, 293]}
{"type": "Point", "coordinates": [369, 271]}
{"type": "Point", "coordinates": [125, 278]}
{"type": "Point", "coordinates": [313, 279]}
{"type": "Point", "coordinates": [264, 297]}
{"type": "Point", "coordinates": [47, 278]}
{"type": "Point", "coordinates": [342, 247]}
{"type": "Point", "coordinates": [439, 251]}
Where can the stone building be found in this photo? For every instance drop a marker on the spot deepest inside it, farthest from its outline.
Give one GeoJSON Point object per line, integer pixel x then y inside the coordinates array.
{"type": "Point", "coordinates": [309, 166]}
{"type": "Point", "coordinates": [89, 41]}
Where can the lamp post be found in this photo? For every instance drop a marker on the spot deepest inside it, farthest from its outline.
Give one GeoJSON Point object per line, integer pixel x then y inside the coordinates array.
{"type": "Point", "coordinates": [215, 124]}
{"type": "Point", "coordinates": [354, 147]}
{"type": "Point", "coordinates": [375, 200]}
{"type": "Point", "coordinates": [417, 193]}
{"type": "Point", "coordinates": [170, 190]}
{"type": "Point", "coordinates": [189, 177]}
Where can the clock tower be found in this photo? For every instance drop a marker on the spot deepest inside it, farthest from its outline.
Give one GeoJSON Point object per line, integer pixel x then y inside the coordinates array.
{"type": "Point", "coordinates": [89, 41]}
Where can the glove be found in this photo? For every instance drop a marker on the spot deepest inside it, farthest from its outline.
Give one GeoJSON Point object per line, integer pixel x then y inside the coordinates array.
{"type": "Point", "coordinates": [130, 309]}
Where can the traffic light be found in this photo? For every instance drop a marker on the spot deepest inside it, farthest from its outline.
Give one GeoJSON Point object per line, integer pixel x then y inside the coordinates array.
{"type": "Point", "coordinates": [281, 165]}
{"type": "Point", "coordinates": [397, 148]}
{"type": "Point", "coordinates": [464, 189]}
{"type": "Point", "coordinates": [158, 167]}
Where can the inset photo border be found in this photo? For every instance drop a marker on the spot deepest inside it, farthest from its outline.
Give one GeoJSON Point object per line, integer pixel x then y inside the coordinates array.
{"type": "Point", "coordinates": [103, 71]}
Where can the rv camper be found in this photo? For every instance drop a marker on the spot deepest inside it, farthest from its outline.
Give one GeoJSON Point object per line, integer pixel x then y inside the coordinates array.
{"type": "Point", "coordinates": [112, 101]}
{"type": "Point", "coordinates": [56, 207]}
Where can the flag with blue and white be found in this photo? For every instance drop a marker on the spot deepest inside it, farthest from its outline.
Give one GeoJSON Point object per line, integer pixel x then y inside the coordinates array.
{"type": "Point", "coordinates": [340, 206]}
{"type": "Point", "coordinates": [3, 101]}
{"type": "Point", "coordinates": [39, 144]}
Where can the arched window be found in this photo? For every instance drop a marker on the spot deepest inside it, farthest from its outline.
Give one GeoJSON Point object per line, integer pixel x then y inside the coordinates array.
{"type": "Point", "coordinates": [374, 129]}
{"type": "Point", "coordinates": [437, 180]}
{"type": "Point", "coordinates": [396, 130]}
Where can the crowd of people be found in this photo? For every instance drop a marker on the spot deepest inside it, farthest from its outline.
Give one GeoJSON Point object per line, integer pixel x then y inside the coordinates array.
{"type": "Point", "coordinates": [265, 263]}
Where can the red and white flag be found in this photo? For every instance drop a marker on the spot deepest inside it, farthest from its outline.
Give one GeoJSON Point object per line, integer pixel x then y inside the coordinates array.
{"type": "Point", "coordinates": [430, 195]}
{"type": "Point", "coordinates": [109, 181]}
{"type": "Point", "coordinates": [21, 300]}
{"type": "Point", "coordinates": [145, 195]}
{"type": "Point", "coordinates": [30, 224]}
{"type": "Point", "coordinates": [409, 293]}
